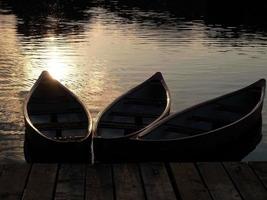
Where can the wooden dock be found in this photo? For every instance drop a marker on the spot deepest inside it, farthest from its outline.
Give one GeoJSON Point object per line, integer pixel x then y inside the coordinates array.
{"type": "Point", "coordinates": [148, 181]}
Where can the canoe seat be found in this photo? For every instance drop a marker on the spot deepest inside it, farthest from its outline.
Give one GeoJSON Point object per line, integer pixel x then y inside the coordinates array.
{"type": "Point", "coordinates": [53, 110]}
{"type": "Point", "coordinates": [61, 126]}
{"type": "Point", "coordinates": [65, 133]}
{"type": "Point", "coordinates": [68, 138]}
{"type": "Point", "coordinates": [136, 123]}
{"type": "Point", "coordinates": [117, 125]}
{"type": "Point", "coordinates": [134, 114]}
{"type": "Point", "coordinates": [122, 129]}
{"type": "Point", "coordinates": [139, 118]}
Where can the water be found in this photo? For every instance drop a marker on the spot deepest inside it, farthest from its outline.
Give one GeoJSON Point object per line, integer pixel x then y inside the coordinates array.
{"type": "Point", "coordinates": [101, 49]}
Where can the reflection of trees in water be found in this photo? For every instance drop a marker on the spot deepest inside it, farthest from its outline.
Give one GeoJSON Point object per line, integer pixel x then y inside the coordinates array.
{"type": "Point", "coordinates": [69, 17]}
{"type": "Point", "coordinates": [220, 23]}
{"type": "Point", "coordinates": [223, 12]}
{"type": "Point", "coordinates": [190, 9]}
{"type": "Point", "coordinates": [127, 8]}
{"type": "Point", "coordinates": [40, 17]}
{"type": "Point", "coordinates": [237, 12]}
{"type": "Point", "coordinates": [65, 9]}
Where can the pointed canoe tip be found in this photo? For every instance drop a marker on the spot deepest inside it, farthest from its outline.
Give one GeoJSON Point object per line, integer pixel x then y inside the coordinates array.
{"type": "Point", "coordinates": [157, 76]}
{"type": "Point", "coordinates": [45, 74]}
{"type": "Point", "coordinates": [261, 82]}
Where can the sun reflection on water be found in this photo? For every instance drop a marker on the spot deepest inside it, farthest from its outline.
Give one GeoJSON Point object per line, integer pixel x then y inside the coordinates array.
{"type": "Point", "coordinates": [51, 57]}
{"type": "Point", "coordinates": [76, 67]}
{"type": "Point", "coordinates": [56, 64]}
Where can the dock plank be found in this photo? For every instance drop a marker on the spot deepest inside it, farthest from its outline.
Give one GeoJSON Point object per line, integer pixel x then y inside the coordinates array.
{"type": "Point", "coordinates": [1, 169]}
{"type": "Point", "coordinates": [188, 182]}
{"type": "Point", "coordinates": [218, 182]}
{"type": "Point", "coordinates": [13, 180]}
{"type": "Point", "coordinates": [41, 182]}
{"type": "Point", "coordinates": [246, 181]}
{"type": "Point", "coordinates": [71, 182]}
{"type": "Point", "coordinates": [260, 168]}
{"type": "Point", "coordinates": [99, 184]}
{"type": "Point", "coordinates": [156, 182]}
{"type": "Point", "coordinates": [127, 182]}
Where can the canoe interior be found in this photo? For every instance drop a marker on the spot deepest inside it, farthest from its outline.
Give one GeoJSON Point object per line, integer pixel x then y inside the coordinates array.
{"type": "Point", "coordinates": [56, 113]}
{"type": "Point", "coordinates": [208, 116]}
{"type": "Point", "coordinates": [134, 111]}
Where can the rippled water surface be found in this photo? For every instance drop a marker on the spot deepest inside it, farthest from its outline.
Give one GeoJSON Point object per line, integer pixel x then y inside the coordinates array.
{"type": "Point", "coordinates": [100, 51]}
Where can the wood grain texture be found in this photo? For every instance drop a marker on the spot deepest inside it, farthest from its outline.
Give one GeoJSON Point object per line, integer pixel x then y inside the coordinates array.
{"type": "Point", "coordinates": [246, 181]}
{"type": "Point", "coordinates": [218, 182]}
{"type": "Point", "coordinates": [41, 182]}
{"type": "Point", "coordinates": [13, 180]}
{"type": "Point", "coordinates": [156, 182]}
{"type": "Point", "coordinates": [188, 182]}
{"type": "Point", "coordinates": [99, 184]}
{"type": "Point", "coordinates": [183, 181]}
{"type": "Point", "coordinates": [127, 182]}
{"type": "Point", "coordinates": [71, 182]}
{"type": "Point", "coordinates": [260, 168]}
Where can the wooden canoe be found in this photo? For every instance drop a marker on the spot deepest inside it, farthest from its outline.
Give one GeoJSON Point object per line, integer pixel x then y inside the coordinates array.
{"type": "Point", "coordinates": [57, 124]}
{"type": "Point", "coordinates": [222, 129]}
{"type": "Point", "coordinates": [213, 130]}
{"type": "Point", "coordinates": [130, 114]}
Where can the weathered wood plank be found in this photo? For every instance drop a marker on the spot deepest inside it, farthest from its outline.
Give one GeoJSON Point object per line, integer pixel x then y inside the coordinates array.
{"type": "Point", "coordinates": [1, 169]}
{"type": "Point", "coordinates": [156, 182]}
{"type": "Point", "coordinates": [99, 184]}
{"type": "Point", "coordinates": [127, 182]}
{"type": "Point", "coordinates": [218, 182]}
{"type": "Point", "coordinates": [71, 182]}
{"type": "Point", "coordinates": [233, 181]}
{"type": "Point", "coordinates": [188, 182]}
{"type": "Point", "coordinates": [260, 168]}
{"type": "Point", "coordinates": [246, 181]}
{"type": "Point", "coordinates": [41, 182]}
{"type": "Point", "coordinates": [13, 180]}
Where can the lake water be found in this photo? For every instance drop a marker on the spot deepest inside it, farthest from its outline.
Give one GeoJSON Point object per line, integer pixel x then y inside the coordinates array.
{"type": "Point", "coordinates": [99, 50]}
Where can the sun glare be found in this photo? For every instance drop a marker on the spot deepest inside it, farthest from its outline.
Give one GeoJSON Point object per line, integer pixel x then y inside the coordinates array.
{"type": "Point", "coordinates": [56, 64]}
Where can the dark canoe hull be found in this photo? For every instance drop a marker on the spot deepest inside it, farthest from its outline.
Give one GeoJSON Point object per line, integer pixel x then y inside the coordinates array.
{"type": "Point", "coordinates": [52, 132]}
{"type": "Point", "coordinates": [134, 111]}
{"type": "Point", "coordinates": [231, 143]}
{"type": "Point", "coordinates": [42, 150]}
{"type": "Point", "coordinates": [143, 105]}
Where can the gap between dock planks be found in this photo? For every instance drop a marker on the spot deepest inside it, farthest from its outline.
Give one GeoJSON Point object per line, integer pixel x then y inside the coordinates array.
{"type": "Point", "coordinates": [148, 181]}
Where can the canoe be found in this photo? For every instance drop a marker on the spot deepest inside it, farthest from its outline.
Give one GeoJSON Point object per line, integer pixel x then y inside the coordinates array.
{"type": "Point", "coordinates": [226, 128]}
{"type": "Point", "coordinates": [219, 129]}
{"type": "Point", "coordinates": [58, 128]}
{"type": "Point", "coordinates": [130, 114]}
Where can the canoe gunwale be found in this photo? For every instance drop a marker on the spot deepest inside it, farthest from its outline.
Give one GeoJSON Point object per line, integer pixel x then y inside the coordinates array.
{"type": "Point", "coordinates": [261, 83]}
{"type": "Point", "coordinates": [156, 76]}
{"type": "Point", "coordinates": [29, 123]}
